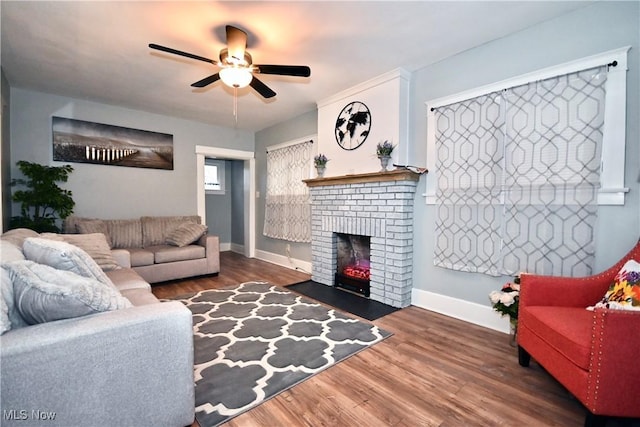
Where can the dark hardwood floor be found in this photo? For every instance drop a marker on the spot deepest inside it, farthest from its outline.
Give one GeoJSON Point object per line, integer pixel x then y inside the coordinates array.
{"type": "Point", "coordinates": [433, 371]}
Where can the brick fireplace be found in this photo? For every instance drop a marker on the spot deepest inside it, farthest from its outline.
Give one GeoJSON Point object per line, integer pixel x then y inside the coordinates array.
{"type": "Point", "coordinates": [378, 205]}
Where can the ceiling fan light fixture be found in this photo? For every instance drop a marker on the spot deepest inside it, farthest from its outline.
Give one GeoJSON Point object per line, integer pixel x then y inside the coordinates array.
{"type": "Point", "coordinates": [236, 77]}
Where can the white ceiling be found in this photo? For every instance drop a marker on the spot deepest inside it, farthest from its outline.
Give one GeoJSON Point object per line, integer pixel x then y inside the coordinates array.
{"type": "Point", "coordinates": [98, 50]}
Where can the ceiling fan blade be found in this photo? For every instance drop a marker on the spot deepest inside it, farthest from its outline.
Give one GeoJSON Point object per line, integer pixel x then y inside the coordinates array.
{"type": "Point", "coordinates": [181, 53]}
{"type": "Point", "coordinates": [262, 88]}
{"type": "Point", "coordinates": [285, 70]}
{"type": "Point", "coordinates": [207, 80]}
{"type": "Point", "coordinates": [236, 42]}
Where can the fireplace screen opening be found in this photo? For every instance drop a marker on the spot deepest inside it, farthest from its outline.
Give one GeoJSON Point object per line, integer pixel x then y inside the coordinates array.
{"type": "Point", "coordinates": [353, 263]}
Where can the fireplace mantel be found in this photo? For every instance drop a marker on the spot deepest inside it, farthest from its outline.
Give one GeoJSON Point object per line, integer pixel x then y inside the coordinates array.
{"type": "Point", "coordinates": [395, 175]}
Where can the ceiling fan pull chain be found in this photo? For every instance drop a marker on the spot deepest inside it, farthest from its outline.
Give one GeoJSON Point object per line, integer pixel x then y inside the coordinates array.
{"type": "Point", "coordinates": [235, 104]}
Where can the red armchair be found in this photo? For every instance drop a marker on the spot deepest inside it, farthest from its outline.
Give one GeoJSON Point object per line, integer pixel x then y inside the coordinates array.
{"type": "Point", "coordinates": [594, 354]}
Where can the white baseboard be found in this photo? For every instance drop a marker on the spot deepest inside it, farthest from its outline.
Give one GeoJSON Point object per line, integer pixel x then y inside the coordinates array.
{"type": "Point", "coordinates": [281, 260]}
{"type": "Point", "coordinates": [237, 248]}
{"type": "Point", "coordinates": [225, 247]}
{"type": "Point", "coordinates": [471, 312]}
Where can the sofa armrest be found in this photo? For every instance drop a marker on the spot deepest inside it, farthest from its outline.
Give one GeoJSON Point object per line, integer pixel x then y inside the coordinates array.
{"type": "Point", "coordinates": [615, 350]}
{"type": "Point", "coordinates": [122, 257]}
{"type": "Point", "coordinates": [126, 367]}
{"type": "Point", "coordinates": [212, 251]}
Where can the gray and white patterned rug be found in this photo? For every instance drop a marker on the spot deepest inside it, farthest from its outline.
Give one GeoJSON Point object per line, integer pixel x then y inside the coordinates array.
{"type": "Point", "coordinates": [256, 340]}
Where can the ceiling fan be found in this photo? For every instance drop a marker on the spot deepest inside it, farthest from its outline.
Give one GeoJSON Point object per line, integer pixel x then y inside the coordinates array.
{"type": "Point", "coordinates": [237, 70]}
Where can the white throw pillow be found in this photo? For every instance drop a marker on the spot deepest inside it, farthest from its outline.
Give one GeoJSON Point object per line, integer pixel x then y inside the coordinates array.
{"type": "Point", "coordinates": [44, 294]}
{"type": "Point", "coordinates": [64, 256]}
{"type": "Point", "coordinates": [5, 323]}
{"type": "Point", "coordinates": [9, 251]}
{"type": "Point", "coordinates": [6, 289]}
{"type": "Point", "coordinates": [95, 244]}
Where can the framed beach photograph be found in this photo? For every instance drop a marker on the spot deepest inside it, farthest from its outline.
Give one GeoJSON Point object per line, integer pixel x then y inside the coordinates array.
{"type": "Point", "coordinates": [87, 142]}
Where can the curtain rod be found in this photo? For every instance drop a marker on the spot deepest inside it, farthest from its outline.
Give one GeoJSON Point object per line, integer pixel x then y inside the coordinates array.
{"type": "Point", "coordinates": [609, 65]}
{"type": "Point", "coordinates": [287, 144]}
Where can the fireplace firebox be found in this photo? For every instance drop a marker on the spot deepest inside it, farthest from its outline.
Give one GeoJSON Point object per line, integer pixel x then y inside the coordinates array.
{"type": "Point", "coordinates": [353, 263]}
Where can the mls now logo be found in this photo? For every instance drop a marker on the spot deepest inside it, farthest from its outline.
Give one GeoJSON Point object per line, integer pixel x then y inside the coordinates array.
{"type": "Point", "coordinates": [22, 414]}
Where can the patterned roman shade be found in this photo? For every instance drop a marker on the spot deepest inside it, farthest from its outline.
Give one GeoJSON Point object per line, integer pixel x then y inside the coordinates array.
{"type": "Point", "coordinates": [519, 177]}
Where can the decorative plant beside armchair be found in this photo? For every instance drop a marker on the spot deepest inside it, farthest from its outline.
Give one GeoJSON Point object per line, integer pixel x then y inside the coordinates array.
{"type": "Point", "coordinates": [506, 301]}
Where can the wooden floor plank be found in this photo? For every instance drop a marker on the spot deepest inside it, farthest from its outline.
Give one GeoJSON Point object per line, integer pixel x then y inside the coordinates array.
{"type": "Point", "coordinates": [433, 371]}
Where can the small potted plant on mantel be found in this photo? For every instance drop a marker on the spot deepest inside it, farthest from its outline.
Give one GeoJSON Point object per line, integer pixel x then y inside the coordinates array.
{"type": "Point", "coordinates": [383, 151]}
{"type": "Point", "coordinates": [320, 162]}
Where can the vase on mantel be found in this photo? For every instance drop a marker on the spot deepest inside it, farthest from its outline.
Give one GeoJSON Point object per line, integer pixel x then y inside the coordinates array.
{"type": "Point", "coordinates": [320, 170]}
{"type": "Point", "coordinates": [384, 162]}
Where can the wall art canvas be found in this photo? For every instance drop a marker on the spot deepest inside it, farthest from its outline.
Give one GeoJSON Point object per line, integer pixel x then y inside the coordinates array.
{"type": "Point", "coordinates": [87, 142]}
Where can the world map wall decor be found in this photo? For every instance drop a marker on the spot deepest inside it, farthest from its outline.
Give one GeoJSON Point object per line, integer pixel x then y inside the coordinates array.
{"type": "Point", "coordinates": [353, 125]}
{"type": "Point", "coordinates": [87, 142]}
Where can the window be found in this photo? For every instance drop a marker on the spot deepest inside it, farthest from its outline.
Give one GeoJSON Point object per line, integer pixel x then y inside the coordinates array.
{"type": "Point", "coordinates": [214, 172]}
{"type": "Point", "coordinates": [521, 169]}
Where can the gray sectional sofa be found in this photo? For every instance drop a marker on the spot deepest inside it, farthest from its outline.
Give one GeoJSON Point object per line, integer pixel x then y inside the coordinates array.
{"type": "Point", "coordinates": [159, 248]}
{"type": "Point", "coordinates": [84, 341]}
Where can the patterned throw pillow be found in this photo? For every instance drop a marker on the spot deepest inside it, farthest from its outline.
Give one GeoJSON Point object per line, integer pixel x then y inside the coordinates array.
{"type": "Point", "coordinates": [185, 234]}
{"type": "Point", "coordinates": [624, 293]}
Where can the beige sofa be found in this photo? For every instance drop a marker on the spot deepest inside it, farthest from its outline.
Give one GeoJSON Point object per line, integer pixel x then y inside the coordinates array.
{"type": "Point", "coordinates": [85, 342]}
{"type": "Point", "coordinates": [151, 245]}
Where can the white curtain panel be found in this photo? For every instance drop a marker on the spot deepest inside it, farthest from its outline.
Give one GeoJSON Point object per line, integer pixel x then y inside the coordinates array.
{"type": "Point", "coordinates": [287, 207]}
{"type": "Point", "coordinates": [519, 177]}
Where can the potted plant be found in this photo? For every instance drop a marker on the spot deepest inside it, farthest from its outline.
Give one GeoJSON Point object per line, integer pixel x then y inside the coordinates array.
{"type": "Point", "coordinates": [383, 151]}
{"type": "Point", "coordinates": [43, 202]}
{"type": "Point", "coordinates": [320, 162]}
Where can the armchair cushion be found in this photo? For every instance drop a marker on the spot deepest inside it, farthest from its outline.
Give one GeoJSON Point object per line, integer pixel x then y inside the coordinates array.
{"type": "Point", "coordinates": [624, 293]}
{"type": "Point", "coordinates": [566, 329]}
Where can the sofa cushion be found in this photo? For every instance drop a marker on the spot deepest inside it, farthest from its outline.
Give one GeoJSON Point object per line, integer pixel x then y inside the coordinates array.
{"type": "Point", "coordinates": [140, 257]}
{"type": "Point", "coordinates": [63, 256]}
{"type": "Point", "coordinates": [126, 278]}
{"type": "Point", "coordinates": [167, 253]}
{"type": "Point", "coordinates": [17, 236]}
{"type": "Point", "coordinates": [155, 229]}
{"type": "Point", "coordinates": [125, 233]}
{"type": "Point", "coordinates": [89, 226]}
{"type": "Point", "coordinates": [185, 234]}
{"type": "Point", "coordinates": [95, 244]}
{"type": "Point", "coordinates": [566, 329]}
{"type": "Point", "coordinates": [624, 293]}
{"type": "Point", "coordinates": [44, 294]}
